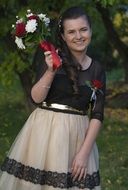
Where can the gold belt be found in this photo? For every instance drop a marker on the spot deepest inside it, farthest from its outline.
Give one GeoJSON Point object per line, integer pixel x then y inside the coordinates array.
{"type": "Point", "coordinates": [61, 107]}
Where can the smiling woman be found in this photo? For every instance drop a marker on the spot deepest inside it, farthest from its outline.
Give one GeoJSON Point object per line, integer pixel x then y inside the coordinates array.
{"type": "Point", "coordinates": [77, 34]}
{"type": "Point", "coordinates": [56, 148]}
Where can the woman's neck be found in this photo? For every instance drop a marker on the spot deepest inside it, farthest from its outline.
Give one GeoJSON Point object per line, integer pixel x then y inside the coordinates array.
{"type": "Point", "coordinates": [83, 59]}
{"type": "Point", "coordinates": [80, 56]}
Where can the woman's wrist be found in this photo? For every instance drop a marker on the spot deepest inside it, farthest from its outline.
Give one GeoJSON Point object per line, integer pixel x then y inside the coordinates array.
{"type": "Point", "coordinates": [49, 75]}
{"type": "Point", "coordinates": [51, 71]}
{"type": "Point", "coordinates": [85, 152]}
{"type": "Point", "coordinates": [91, 136]}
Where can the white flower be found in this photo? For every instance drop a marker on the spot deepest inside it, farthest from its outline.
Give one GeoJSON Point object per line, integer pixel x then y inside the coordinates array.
{"type": "Point", "coordinates": [19, 43]}
{"type": "Point", "coordinates": [13, 26]}
{"type": "Point", "coordinates": [19, 21]}
{"type": "Point", "coordinates": [28, 11]}
{"type": "Point", "coordinates": [30, 14]}
{"type": "Point", "coordinates": [31, 26]}
{"type": "Point", "coordinates": [41, 16]}
{"type": "Point", "coordinates": [47, 21]}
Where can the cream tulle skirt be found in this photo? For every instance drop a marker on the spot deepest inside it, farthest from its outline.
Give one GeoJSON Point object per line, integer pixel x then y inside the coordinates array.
{"type": "Point", "coordinates": [41, 156]}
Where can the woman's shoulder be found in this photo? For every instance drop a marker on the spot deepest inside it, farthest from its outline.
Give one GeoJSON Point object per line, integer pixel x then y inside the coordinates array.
{"type": "Point", "coordinates": [97, 66]}
{"type": "Point", "coordinates": [96, 70]}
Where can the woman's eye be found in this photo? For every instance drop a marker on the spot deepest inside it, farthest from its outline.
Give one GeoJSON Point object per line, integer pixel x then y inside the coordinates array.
{"type": "Point", "coordinates": [71, 32]}
{"type": "Point", "coordinates": [84, 29]}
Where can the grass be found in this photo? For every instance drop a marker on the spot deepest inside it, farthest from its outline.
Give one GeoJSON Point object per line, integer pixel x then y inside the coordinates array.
{"type": "Point", "coordinates": [112, 141]}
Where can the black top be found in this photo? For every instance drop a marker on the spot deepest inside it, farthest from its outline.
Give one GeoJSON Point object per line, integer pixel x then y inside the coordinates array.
{"type": "Point", "coordinates": [61, 90]}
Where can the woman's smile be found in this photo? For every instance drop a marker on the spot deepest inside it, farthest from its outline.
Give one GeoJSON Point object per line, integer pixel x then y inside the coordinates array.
{"type": "Point", "coordinates": [80, 42]}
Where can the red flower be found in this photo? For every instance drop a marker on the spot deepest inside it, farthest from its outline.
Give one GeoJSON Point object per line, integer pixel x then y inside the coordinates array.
{"type": "Point", "coordinates": [46, 46]}
{"type": "Point", "coordinates": [97, 84]}
{"type": "Point", "coordinates": [33, 17]}
{"type": "Point", "coordinates": [20, 29]}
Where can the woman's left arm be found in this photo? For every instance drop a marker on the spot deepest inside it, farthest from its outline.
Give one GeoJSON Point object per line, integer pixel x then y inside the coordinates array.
{"type": "Point", "coordinates": [79, 165]}
{"type": "Point", "coordinates": [91, 136]}
{"type": "Point", "coordinates": [80, 162]}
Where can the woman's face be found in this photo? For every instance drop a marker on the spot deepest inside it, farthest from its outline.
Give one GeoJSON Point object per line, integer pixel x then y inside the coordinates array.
{"type": "Point", "coordinates": [77, 34]}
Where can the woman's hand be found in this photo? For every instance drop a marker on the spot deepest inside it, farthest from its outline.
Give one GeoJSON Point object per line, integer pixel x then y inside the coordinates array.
{"type": "Point", "coordinates": [53, 60]}
{"type": "Point", "coordinates": [79, 166]}
{"type": "Point", "coordinates": [49, 60]}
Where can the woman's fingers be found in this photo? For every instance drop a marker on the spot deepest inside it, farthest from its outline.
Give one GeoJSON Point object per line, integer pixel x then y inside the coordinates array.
{"type": "Point", "coordinates": [85, 173]}
{"type": "Point", "coordinates": [48, 57]}
{"type": "Point", "coordinates": [76, 173]}
{"type": "Point", "coordinates": [79, 172]}
{"type": "Point", "coordinates": [82, 173]}
{"type": "Point", "coordinates": [74, 167]}
{"type": "Point", "coordinates": [47, 53]}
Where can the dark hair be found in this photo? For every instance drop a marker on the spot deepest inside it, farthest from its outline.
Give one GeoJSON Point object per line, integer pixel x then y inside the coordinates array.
{"type": "Point", "coordinates": [72, 13]}
{"type": "Point", "coordinates": [70, 64]}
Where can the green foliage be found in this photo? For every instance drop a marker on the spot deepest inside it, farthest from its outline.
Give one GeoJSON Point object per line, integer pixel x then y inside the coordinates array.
{"type": "Point", "coordinates": [120, 21]}
{"type": "Point", "coordinates": [107, 2]}
{"type": "Point", "coordinates": [12, 63]}
{"type": "Point", "coordinates": [115, 75]}
{"type": "Point", "coordinates": [12, 109]}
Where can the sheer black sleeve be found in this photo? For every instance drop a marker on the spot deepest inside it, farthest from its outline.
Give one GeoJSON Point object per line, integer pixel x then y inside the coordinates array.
{"type": "Point", "coordinates": [97, 104]}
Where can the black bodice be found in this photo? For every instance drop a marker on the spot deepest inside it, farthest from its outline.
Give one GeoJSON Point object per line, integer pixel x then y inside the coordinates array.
{"type": "Point", "coordinates": [61, 90]}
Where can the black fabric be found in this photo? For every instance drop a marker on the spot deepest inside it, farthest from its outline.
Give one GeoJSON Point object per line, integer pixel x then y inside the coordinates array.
{"type": "Point", "coordinates": [51, 178]}
{"type": "Point", "coordinates": [61, 90]}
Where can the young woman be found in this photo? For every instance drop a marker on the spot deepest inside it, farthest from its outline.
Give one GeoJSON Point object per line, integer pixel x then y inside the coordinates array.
{"type": "Point", "coordinates": [56, 148]}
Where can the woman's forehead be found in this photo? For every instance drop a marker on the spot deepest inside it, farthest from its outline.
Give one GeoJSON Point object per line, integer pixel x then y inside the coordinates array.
{"type": "Point", "coordinates": [72, 23]}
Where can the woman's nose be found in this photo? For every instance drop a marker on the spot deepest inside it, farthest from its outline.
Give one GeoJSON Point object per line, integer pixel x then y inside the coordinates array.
{"type": "Point", "coordinates": [78, 35]}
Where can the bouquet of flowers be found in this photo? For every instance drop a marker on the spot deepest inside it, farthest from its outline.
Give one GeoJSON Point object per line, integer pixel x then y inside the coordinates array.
{"type": "Point", "coordinates": [32, 30]}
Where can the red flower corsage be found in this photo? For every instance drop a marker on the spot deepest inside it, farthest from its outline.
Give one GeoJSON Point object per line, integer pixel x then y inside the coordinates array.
{"type": "Point", "coordinates": [96, 85]}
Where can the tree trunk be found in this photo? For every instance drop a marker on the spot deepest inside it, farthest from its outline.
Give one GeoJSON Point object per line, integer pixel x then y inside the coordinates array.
{"type": "Point", "coordinates": [26, 82]}
{"type": "Point", "coordinates": [114, 38]}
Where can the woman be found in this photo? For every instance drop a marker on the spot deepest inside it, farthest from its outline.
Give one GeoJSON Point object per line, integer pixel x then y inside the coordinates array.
{"type": "Point", "coordinates": [56, 148]}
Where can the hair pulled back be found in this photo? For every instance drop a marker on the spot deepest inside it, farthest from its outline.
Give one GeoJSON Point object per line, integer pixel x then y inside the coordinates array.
{"type": "Point", "coordinates": [70, 64]}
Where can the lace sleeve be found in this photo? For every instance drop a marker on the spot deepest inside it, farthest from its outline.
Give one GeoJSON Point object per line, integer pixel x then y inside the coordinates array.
{"type": "Point", "coordinates": [98, 95]}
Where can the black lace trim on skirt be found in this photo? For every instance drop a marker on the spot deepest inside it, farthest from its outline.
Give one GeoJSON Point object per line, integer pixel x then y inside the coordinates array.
{"type": "Point", "coordinates": [42, 177]}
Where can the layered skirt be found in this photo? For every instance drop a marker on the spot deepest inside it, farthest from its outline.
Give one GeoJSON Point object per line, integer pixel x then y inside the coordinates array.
{"type": "Point", "coordinates": [41, 156]}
